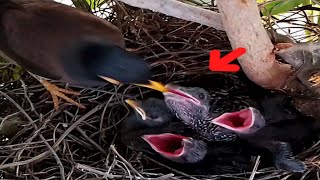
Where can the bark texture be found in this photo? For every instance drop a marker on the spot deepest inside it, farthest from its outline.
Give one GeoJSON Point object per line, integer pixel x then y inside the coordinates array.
{"type": "Point", "coordinates": [242, 23]}
{"type": "Point", "coordinates": [180, 10]}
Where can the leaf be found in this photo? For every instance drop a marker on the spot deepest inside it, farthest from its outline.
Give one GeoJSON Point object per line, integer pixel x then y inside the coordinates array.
{"type": "Point", "coordinates": [280, 6]}
{"type": "Point", "coordinates": [306, 2]}
{"type": "Point", "coordinates": [89, 5]}
{"type": "Point", "coordinates": [82, 4]}
{"type": "Point", "coordinates": [17, 73]}
{"type": "Point", "coordinates": [12, 126]}
{"type": "Point", "coordinates": [261, 1]}
{"type": "Point", "coordinates": [95, 3]}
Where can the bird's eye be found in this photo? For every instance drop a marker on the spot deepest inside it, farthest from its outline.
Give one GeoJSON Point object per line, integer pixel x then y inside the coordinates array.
{"type": "Point", "coordinates": [200, 95]}
{"type": "Point", "coordinates": [153, 116]}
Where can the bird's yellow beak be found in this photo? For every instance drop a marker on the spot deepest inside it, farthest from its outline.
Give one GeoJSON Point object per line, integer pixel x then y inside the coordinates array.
{"type": "Point", "coordinates": [110, 80]}
{"type": "Point", "coordinates": [135, 105]}
{"type": "Point", "coordinates": [152, 84]}
{"type": "Point", "coordinates": [155, 86]}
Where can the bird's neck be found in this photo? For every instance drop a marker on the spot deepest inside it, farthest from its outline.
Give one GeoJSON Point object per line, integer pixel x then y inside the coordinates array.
{"type": "Point", "coordinates": [210, 131]}
{"type": "Point", "coordinates": [6, 5]}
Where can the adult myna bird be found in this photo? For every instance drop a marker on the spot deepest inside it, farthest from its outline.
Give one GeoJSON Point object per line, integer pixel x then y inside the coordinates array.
{"type": "Point", "coordinates": [273, 131]}
{"type": "Point", "coordinates": [153, 129]}
{"type": "Point", "coordinates": [59, 42]}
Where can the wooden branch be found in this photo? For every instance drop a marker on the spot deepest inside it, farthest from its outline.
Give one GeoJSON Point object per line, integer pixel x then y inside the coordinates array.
{"type": "Point", "coordinates": [242, 23]}
{"type": "Point", "coordinates": [180, 10]}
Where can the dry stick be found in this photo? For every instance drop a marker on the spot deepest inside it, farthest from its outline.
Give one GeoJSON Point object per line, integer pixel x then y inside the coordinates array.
{"type": "Point", "coordinates": [61, 168]}
{"type": "Point", "coordinates": [36, 128]}
{"type": "Point", "coordinates": [27, 97]}
{"type": "Point", "coordinates": [107, 175]}
{"type": "Point", "coordinates": [55, 156]}
{"type": "Point", "coordinates": [91, 141]}
{"type": "Point", "coordinates": [180, 10]}
{"type": "Point", "coordinates": [171, 169]}
{"type": "Point", "coordinates": [74, 125]}
{"type": "Point", "coordinates": [254, 170]}
{"type": "Point", "coordinates": [44, 154]}
{"type": "Point", "coordinates": [126, 162]}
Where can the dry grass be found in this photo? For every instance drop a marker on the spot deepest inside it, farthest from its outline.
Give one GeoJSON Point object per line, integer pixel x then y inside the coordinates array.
{"type": "Point", "coordinates": [82, 144]}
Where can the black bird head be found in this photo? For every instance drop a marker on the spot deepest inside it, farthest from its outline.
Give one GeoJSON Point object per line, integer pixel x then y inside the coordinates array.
{"type": "Point", "coordinates": [151, 112]}
{"type": "Point", "coordinates": [94, 61]}
{"type": "Point", "coordinates": [177, 148]}
{"type": "Point", "coordinates": [187, 103]}
{"type": "Point", "coordinates": [150, 116]}
{"type": "Point", "coordinates": [184, 102]}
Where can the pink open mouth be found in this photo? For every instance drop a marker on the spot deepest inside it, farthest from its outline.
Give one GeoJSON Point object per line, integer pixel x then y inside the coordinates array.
{"type": "Point", "coordinates": [166, 144]}
{"type": "Point", "coordinates": [236, 121]}
{"type": "Point", "coordinates": [173, 89]}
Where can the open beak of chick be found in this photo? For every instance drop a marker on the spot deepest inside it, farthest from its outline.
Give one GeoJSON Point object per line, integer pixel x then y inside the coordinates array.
{"type": "Point", "coordinates": [246, 121]}
{"type": "Point", "coordinates": [168, 145]}
{"type": "Point", "coordinates": [137, 107]}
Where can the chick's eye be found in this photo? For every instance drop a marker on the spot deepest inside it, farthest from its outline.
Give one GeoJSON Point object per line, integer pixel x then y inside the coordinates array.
{"type": "Point", "coordinates": [200, 95]}
{"type": "Point", "coordinates": [153, 116]}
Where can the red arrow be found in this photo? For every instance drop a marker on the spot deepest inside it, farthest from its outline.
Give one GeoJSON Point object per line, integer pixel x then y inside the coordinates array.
{"type": "Point", "coordinates": [222, 64]}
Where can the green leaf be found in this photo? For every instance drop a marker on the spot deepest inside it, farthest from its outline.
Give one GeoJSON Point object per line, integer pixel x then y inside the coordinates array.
{"type": "Point", "coordinates": [261, 1]}
{"type": "Point", "coordinates": [281, 6]}
{"type": "Point", "coordinates": [306, 2]}
{"type": "Point", "coordinates": [82, 4]}
{"type": "Point", "coordinates": [12, 126]}
{"type": "Point", "coordinates": [17, 73]}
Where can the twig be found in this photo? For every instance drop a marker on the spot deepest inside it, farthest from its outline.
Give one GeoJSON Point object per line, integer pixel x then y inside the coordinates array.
{"type": "Point", "coordinates": [111, 176]}
{"type": "Point", "coordinates": [171, 169]}
{"type": "Point", "coordinates": [27, 97]}
{"type": "Point", "coordinates": [180, 10]}
{"type": "Point", "coordinates": [78, 122]}
{"type": "Point", "coordinates": [254, 170]}
{"type": "Point", "coordinates": [56, 145]}
{"type": "Point", "coordinates": [164, 177]}
{"type": "Point", "coordinates": [91, 141]}
{"type": "Point", "coordinates": [125, 161]}
{"type": "Point", "coordinates": [55, 156]}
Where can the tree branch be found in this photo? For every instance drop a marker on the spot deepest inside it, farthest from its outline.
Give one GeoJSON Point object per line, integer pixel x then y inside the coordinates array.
{"type": "Point", "coordinates": [242, 23]}
{"type": "Point", "coordinates": [180, 10]}
{"type": "Point", "coordinates": [244, 28]}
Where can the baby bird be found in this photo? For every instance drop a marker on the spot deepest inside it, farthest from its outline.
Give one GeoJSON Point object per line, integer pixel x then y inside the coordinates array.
{"type": "Point", "coordinates": [282, 129]}
{"type": "Point", "coordinates": [191, 105]}
{"type": "Point", "coordinates": [153, 128]}
{"type": "Point", "coordinates": [152, 125]}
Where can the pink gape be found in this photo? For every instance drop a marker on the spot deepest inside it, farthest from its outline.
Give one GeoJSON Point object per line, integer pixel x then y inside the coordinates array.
{"type": "Point", "coordinates": [246, 121]}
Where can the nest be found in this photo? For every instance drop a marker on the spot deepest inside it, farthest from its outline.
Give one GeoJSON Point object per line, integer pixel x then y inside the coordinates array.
{"type": "Point", "coordinates": [41, 143]}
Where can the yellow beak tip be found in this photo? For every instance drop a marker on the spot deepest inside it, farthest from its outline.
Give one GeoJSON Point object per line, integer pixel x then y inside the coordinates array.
{"type": "Point", "coordinates": [137, 108]}
{"type": "Point", "coordinates": [155, 86]}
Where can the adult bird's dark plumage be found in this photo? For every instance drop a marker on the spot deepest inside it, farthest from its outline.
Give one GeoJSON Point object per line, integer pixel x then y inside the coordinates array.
{"type": "Point", "coordinates": [59, 42]}
{"type": "Point", "coordinates": [153, 128]}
